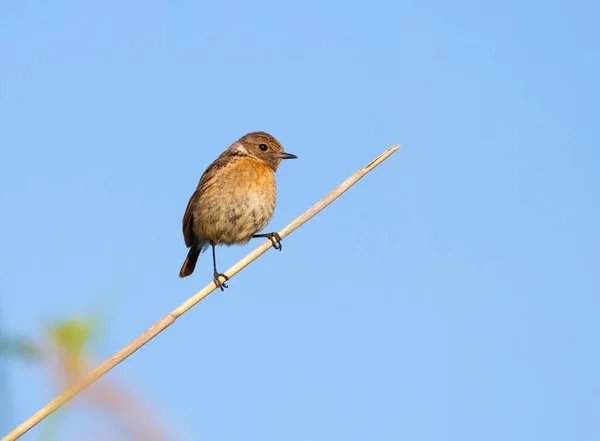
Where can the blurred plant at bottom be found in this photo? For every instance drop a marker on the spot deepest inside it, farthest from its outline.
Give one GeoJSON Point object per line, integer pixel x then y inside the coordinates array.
{"type": "Point", "coordinates": [66, 351]}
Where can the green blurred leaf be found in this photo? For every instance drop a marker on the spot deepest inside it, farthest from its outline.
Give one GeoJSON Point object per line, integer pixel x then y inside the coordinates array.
{"type": "Point", "coordinates": [73, 335]}
{"type": "Point", "coordinates": [18, 347]}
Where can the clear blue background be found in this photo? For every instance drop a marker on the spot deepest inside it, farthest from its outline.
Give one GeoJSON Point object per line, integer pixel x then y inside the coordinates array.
{"type": "Point", "coordinates": [451, 295]}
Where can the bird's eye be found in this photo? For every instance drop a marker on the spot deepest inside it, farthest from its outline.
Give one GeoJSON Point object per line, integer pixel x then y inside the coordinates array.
{"type": "Point", "coordinates": [263, 147]}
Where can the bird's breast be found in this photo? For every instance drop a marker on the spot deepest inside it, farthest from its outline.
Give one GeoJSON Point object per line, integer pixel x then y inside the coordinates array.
{"type": "Point", "coordinates": [238, 201]}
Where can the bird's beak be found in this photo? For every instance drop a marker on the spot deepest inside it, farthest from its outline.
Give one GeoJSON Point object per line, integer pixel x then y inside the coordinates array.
{"type": "Point", "coordinates": [284, 155]}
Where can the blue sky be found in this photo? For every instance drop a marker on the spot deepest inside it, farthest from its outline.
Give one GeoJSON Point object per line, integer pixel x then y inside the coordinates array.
{"type": "Point", "coordinates": [451, 295]}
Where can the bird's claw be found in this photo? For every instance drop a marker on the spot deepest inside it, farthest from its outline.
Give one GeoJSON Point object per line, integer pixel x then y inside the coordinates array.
{"type": "Point", "coordinates": [217, 279]}
{"type": "Point", "coordinates": [275, 239]}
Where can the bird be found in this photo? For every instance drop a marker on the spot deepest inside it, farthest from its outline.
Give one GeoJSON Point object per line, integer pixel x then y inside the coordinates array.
{"type": "Point", "coordinates": [234, 200]}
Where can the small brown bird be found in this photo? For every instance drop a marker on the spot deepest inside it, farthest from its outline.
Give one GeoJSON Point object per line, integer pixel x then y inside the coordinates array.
{"type": "Point", "coordinates": [235, 199]}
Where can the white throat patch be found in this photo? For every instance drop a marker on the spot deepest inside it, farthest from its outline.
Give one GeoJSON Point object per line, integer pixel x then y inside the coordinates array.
{"type": "Point", "coordinates": [239, 148]}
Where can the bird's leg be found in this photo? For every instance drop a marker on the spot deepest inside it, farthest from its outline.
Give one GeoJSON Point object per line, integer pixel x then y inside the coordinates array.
{"type": "Point", "coordinates": [275, 239]}
{"type": "Point", "coordinates": [217, 275]}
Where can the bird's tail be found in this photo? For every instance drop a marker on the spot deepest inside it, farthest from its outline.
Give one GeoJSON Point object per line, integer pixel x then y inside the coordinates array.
{"type": "Point", "coordinates": [190, 261]}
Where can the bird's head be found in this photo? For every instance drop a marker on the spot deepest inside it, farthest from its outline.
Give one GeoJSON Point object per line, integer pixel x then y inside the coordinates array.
{"type": "Point", "coordinates": [261, 146]}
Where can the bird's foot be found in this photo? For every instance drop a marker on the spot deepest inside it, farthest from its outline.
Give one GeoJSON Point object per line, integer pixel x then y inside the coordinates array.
{"type": "Point", "coordinates": [275, 239]}
{"type": "Point", "coordinates": [217, 279]}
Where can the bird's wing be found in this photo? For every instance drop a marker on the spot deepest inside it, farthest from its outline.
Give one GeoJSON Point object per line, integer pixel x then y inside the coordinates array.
{"type": "Point", "coordinates": [205, 182]}
{"type": "Point", "coordinates": [188, 222]}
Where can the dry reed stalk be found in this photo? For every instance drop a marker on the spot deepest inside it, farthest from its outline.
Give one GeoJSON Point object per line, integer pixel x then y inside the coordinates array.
{"type": "Point", "coordinates": [167, 320]}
